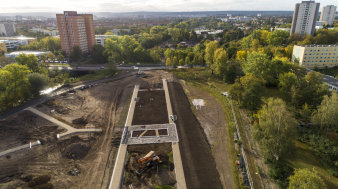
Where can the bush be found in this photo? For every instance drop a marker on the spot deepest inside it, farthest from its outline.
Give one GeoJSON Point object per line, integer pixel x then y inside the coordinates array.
{"type": "Point", "coordinates": [38, 82]}
{"type": "Point", "coordinates": [325, 149]}
{"type": "Point", "coordinates": [280, 172]}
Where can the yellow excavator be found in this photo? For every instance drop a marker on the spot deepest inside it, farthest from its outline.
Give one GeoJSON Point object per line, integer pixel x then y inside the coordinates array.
{"type": "Point", "coordinates": [149, 161]}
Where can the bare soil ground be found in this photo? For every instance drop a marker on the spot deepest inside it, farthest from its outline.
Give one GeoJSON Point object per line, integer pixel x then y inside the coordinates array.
{"type": "Point", "coordinates": [84, 161]}
{"type": "Point", "coordinates": [151, 108]}
{"type": "Point", "coordinates": [164, 175]}
{"type": "Point", "coordinates": [198, 164]}
{"type": "Point", "coordinates": [77, 162]}
{"type": "Point", "coordinates": [212, 119]}
{"type": "Point", "coordinates": [26, 127]}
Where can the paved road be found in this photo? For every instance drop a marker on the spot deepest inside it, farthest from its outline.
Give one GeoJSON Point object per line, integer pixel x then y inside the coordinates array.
{"type": "Point", "coordinates": [95, 68]}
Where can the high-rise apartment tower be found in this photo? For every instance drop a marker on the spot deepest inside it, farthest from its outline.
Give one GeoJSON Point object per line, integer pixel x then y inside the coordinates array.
{"type": "Point", "coordinates": [76, 30]}
{"type": "Point", "coordinates": [328, 14]}
{"type": "Point", "coordinates": [304, 18]}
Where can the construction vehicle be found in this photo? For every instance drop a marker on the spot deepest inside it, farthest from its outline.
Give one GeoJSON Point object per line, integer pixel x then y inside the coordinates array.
{"type": "Point", "coordinates": [149, 161]}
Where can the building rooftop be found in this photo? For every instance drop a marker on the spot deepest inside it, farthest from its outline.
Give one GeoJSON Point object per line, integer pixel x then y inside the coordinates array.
{"type": "Point", "coordinates": [36, 53]}
{"type": "Point", "coordinates": [331, 45]}
{"type": "Point", "coordinates": [17, 38]}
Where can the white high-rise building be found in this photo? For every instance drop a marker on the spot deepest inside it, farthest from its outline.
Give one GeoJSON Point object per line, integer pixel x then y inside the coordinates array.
{"type": "Point", "coordinates": [304, 18]}
{"type": "Point", "coordinates": [328, 14]}
{"type": "Point", "coordinates": [7, 29]}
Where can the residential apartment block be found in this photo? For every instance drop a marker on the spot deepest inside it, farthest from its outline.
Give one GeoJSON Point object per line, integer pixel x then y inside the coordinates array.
{"type": "Point", "coordinates": [304, 18]}
{"type": "Point", "coordinates": [101, 39]}
{"type": "Point", "coordinates": [320, 56]}
{"type": "Point", "coordinates": [7, 30]}
{"type": "Point", "coordinates": [328, 14]}
{"type": "Point", "coordinates": [76, 30]}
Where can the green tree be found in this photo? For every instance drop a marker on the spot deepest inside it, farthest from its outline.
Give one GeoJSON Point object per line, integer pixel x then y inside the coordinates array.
{"type": "Point", "coordinates": [275, 129]}
{"type": "Point", "coordinates": [14, 85]}
{"type": "Point", "coordinates": [286, 81]}
{"type": "Point", "coordinates": [219, 61]}
{"type": "Point", "coordinates": [326, 115]}
{"type": "Point", "coordinates": [256, 64]}
{"type": "Point", "coordinates": [37, 82]}
{"type": "Point", "coordinates": [75, 54]}
{"type": "Point", "coordinates": [31, 61]}
{"type": "Point", "coordinates": [277, 37]}
{"type": "Point", "coordinates": [306, 179]}
{"type": "Point", "coordinates": [210, 49]}
{"type": "Point", "coordinates": [51, 57]}
{"type": "Point", "coordinates": [98, 55]}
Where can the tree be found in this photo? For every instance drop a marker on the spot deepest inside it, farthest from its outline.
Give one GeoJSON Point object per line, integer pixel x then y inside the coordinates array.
{"type": "Point", "coordinates": [98, 54]}
{"type": "Point", "coordinates": [209, 53]}
{"type": "Point", "coordinates": [248, 92]}
{"type": "Point", "coordinates": [326, 115]}
{"type": "Point", "coordinates": [251, 98]}
{"type": "Point", "coordinates": [43, 58]}
{"type": "Point", "coordinates": [286, 81]}
{"type": "Point", "coordinates": [198, 58]}
{"type": "Point", "coordinates": [236, 91]}
{"type": "Point", "coordinates": [275, 129]}
{"type": "Point", "coordinates": [306, 179]}
{"type": "Point", "coordinates": [38, 82]}
{"type": "Point", "coordinates": [31, 61]}
{"type": "Point", "coordinates": [14, 85]}
{"type": "Point", "coordinates": [277, 37]}
{"type": "Point", "coordinates": [256, 64]}
{"type": "Point", "coordinates": [219, 61]}
{"type": "Point", "coordinates": [241, 55]}
{"type": "Point", "coordinates": [75, 54]}
{"type": "Point", "coordinates": [51, 57]}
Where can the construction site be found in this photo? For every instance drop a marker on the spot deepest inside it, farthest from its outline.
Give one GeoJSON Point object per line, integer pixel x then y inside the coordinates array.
{"type": "Point", "coordinates": [134, 132]}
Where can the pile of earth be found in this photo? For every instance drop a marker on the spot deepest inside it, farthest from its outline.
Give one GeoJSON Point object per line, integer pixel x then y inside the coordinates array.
{"type": "Point", "coordinates": [76, 151]}
{"type": "Point", "coordinates": [80, 121]}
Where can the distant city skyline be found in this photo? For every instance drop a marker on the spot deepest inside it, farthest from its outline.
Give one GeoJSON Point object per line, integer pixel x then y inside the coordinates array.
{"type": "Point", "coordinates": [24, 6]}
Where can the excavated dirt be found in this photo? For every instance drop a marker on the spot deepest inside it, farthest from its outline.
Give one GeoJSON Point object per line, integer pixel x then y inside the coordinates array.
{"type": "Point", "coordinates": [101, 106]}
{"type": "Point", "coordinates": [212, 119]}
{"type": "Point", "coordinates": [198, 164]}
{"type": "Point", "coordinates": [151, 108]}
{"type": "Point", "coordinates": [76, 151]}
{"type": "Point", "coordinates": [164, 175]}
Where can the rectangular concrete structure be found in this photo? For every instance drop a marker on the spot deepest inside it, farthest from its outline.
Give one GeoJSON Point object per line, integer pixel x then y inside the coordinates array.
{"type": "Point", "coordinates": [181, 183]}
{"type": "Point", "coordinates": [172, 134]}
{"type": "Point", "coordinates": [118, 172]}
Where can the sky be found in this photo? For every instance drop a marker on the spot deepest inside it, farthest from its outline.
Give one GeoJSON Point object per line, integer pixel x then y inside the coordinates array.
{"type": "Point", "coordinates": [21, 6]}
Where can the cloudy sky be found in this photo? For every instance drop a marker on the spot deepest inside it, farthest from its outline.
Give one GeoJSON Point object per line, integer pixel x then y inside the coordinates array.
{"type": "Point", "coordinates": [13, 6]}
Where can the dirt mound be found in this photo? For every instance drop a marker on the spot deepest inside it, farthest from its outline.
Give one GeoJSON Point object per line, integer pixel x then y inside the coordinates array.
{"type": "Point", "coordinates": [76, 151]}
{"type": "Point", "coordinates": [80, 121]}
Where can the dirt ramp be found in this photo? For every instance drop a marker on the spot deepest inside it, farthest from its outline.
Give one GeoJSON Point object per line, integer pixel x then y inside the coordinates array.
{"type": "Point", "coordinates": [198, 164]}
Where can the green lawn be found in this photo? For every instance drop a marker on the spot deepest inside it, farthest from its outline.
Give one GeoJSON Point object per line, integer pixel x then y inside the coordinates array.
{"type": "Point", "coordinates": [101, 74]}
{"type": "Point", "coordinates": [303, 157]}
